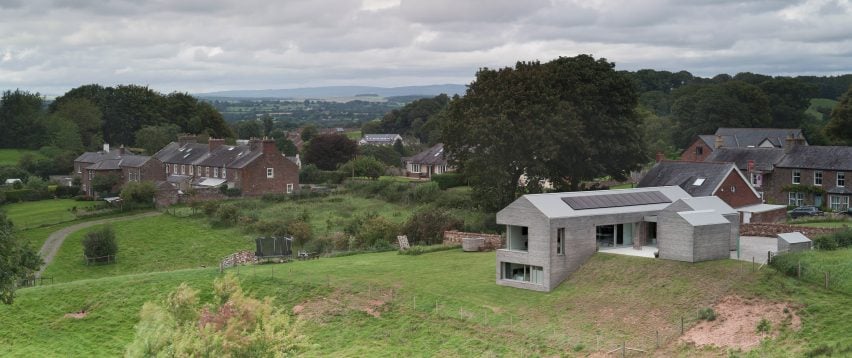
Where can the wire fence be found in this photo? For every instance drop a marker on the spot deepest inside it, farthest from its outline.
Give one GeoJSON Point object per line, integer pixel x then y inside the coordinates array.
{"type": "Point", "coordinates": [836, 276]}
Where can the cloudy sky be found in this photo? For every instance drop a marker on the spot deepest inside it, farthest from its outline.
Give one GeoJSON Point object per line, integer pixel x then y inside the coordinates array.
{"type": "Point", "coordinates": [208, 45]}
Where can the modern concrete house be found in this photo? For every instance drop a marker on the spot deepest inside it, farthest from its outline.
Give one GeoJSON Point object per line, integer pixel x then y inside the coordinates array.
{"type": "Point", "coordinates": [549, 236]}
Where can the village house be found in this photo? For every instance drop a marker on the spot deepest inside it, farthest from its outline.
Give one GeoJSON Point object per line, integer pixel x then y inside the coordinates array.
{"type": "Point", "coordinates": [705, 144]}
{"type": "Point", "coordinates": [720, 179]}
{"type": "Point", "coordinates": [125, 166]}
{"type": "Point", "coordinates": [549, 236]}
{"type": "Point", "coordinates": [379, 139]}
{"type": "Point", "coordinates": [429, 162]}
{"type": "Point", "coordinates": [799, 174]}
{"type": "Point", "coordinates": [255, 168]}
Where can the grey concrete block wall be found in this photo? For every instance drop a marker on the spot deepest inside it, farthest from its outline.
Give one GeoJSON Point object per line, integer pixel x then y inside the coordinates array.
{"type": "Point", "coordinates": [734, 219]}
{"type": "Point", "coordinates": [523, 213]}
{"type": "Point", "coordinates": [711, 242]}
{"type": "Point", "coordinates": [674, 237]}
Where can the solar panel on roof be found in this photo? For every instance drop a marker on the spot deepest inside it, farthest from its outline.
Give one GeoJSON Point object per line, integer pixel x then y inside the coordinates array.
{"type": "Point", "coordinates": [615, 200]}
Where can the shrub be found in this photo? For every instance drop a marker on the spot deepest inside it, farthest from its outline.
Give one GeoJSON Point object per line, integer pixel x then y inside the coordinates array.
{"type": "Point", "coordinates": [14, 196]}
{"type": "Point", "coordinates": [835, 240]}
{"type": "Point", "coordinates": [825, 242]}
{"type": "Point", "coordinates": [311, 174]}
{"type": "Point", "coordinates": [449, 180]}
{"type": "Point", "coordinates": [426, 192]}
{"type": "Point", "coordinates": [301, 232]}
{"type": "Point", "coordinates": [707, 314]}
{"type": "Point", "coordinates": [377, 232]}
{"type": "Point", "coordinates": [364, 166]}
{"type": "Point", "coordinates": [426, 226]}
{"type": "Point", "coordinates": [66, 192]}
{"type": "Point", "coordinates": [236, 326]}
{"type": "Point", "coordinates": [227, 215]}
{"type": "Point", "coordinates": [764, 326]}
{"type": "Point", "coordinates": [100, 243]}
{"type": "Point", "coordinates": [454, 199]}
{"type": "Point", "coordinates": [210, 208]}
{"type": "Point", "coordinates": [138, 192]}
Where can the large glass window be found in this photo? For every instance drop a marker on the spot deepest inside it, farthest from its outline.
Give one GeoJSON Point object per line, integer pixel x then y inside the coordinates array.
{"type": "Point", "coordinates": [524, 273]}
{"type": "Point", "coordinates": [517, 238]}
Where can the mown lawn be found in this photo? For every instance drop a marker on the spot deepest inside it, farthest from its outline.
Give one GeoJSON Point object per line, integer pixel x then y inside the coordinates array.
{"type": "Point", "coordinates": [610, 300]}
{"type": "Point", "coordinates": [32, 214]}
{"type": "Point", "coordinates": [10, 157]}
{"type": "Point", "coordinates": [160, 243]}
{"type": "Point", "coordinates": [829, 224]}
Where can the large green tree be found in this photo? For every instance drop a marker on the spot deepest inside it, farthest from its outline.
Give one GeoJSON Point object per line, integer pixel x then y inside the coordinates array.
{"type": "Point", "coordinates": [154, 138]}
{"type": "Point", "coordinates": [566, 121]}
{"type": "Point", "coordinates": [20, 119]}
{"type": "Point", "coordinates": [839, 129]}
{"type": "Point", "coordinates": [701, 109]}
{"type": "Point", "coordinates": [418, 119]}
{"type": "Point", "coordinates": [18, 260]}
{"type": "Point", "coordinates": [327, 151]}
{"type": "Point", "coordinates": [88, 118]}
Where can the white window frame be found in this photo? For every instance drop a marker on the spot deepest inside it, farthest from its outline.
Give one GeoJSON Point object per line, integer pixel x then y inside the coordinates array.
{"type": "Point", "coordinates": [757, 180]}
{"type": "Point", "coordinates": [797, 176]}
{"type": "Point", "coordinates": [415, 168]}
{"type": "Point", "coordinates": [182, 169]}
{"type": "Point", "coordinates": [289, 188]}
{"type": "Point", "coordinates": [841, 179]}
{"type": "Point", "coordinates": [191, 167]}
{"type": "Point", "coordinates": [174, 169]}
{"type": "Point", "coordinates": [167, 169]}
{"type": "Point", "coordinates": [817, 175]}
{"type": "Point", "coordinates": [224, 173]}
{"type": "Point", "coordinates": [795, 198]}
{"type": "Point", "coordinates": [838, 202]}
{"type": "Point", "coordinates": [207, 172]}
{"type": "Point", "coordinates": [215, 172]}
{"type": "Point", "coordinates": [270, 173]}
{"type": "Point", "coordinates": [560, 241]}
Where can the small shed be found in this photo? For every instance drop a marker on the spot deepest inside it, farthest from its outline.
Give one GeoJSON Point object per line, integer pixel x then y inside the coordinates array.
{"type": "Point", "coordinates": [793, 241]}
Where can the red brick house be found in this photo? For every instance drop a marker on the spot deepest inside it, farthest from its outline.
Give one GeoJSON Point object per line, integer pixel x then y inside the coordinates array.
{"type": "Point", "coordinates": [723, 180]}
{"type": "Point", "coordinates": [427, 163]}
{"type": "Point", "coordinates": [704, 145]}
{"type": "Point", "coordinates": [126, 166]}
{"type": "Point", "coordinates": [255, 168]}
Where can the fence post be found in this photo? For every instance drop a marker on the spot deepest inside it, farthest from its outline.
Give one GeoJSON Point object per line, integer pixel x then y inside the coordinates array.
{"type": "Point", "coordinates": [827, 278]}
{"type": "Point", "coordinates": [752, 264]}
{"type": "Point", "coordinates": [768, 257]}
{"type": "Point", "coordinates": [623, 349]}
{"type": "Point", "coordinates": [658, 339]}
{"type": "Point", "coordinates": [799, 270]}
{"type": "Point", "coordinates": [681, 325]}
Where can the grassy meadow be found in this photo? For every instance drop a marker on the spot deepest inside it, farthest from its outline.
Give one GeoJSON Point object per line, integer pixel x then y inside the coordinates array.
{"type": "Point", "coordinates": [610, 300]}
{"type": "Point", "coordinates": [159, 243]}
{"type": "Point", "coordinates": [10, 157]}
{"type": "Point", "coordinates": [32, 214]}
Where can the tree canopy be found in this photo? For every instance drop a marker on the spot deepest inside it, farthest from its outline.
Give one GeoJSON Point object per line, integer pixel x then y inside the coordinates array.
{"type": "Point", "coordinates": [18, 260]}
{"type": "Point", "coordinates": [327, 151]}
{"type": "Point", "coordinates": [839, 128]}
{"type": "Point", "coordinates": [566, 121]}
{"type": "Point", "coordinates": [418, 119]}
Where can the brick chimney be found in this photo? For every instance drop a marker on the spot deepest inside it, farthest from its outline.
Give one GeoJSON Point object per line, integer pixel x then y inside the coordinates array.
{"type": "Point", "coordinates": [214, 143]}
{"type": "Point", "coordinates": [269, 147]}
{"type": "Point", "coordinates": [719, 143]}
{"type": "Point", "coordinates": [121, 150]}
{"type": "Point", "coordinates": [187, 139]}
{"type": "Point", "coordinates": [790, 143]}
{"type": "Point", "coordinates": [660, 156]}
{"type": "Point", "coordinates": [254, 143]}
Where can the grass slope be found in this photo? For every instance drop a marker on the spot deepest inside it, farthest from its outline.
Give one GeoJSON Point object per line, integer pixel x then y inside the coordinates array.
{"type": "Point", "coordinates": [33, 214]}
{"type": "Point", "coordinates": [817, 103]}
{"type": "Point", "coordinates": [10, 157]}
{"type": "Point", "coordinates": [159, 243]}
{"type": "Point", "coordinates": [609, 300]}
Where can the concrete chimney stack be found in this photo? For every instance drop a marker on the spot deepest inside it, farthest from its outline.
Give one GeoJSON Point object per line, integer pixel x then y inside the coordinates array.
{"type": "Point", "coordinates": [106, 147]}
{"type": "Point", "coordinates": [719, 143]}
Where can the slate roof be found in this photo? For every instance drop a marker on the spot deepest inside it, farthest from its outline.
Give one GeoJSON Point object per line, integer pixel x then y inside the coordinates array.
{"type": "Point", "coordinates": [687, 174]}
{"type": "Point", "coordinates": [765, 159]}
{"type": "Point", "coordinates": [752, 137]}
{"type": "Point", "coordinates": [228, 156]}
{"type": "Point", "coordinates": [112, 160]}
{"type": "Point", "coordinates": [818, 157]}
{"type": "Point", "coordinates": [431, 156]}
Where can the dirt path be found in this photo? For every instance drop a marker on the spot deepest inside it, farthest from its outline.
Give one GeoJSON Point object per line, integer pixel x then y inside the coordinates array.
{"type": "Point", "coordinates": [54, 241]}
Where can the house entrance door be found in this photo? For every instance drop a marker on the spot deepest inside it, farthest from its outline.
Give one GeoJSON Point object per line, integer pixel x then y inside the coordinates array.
{"type": "Point", "coordinates": [817, 200]}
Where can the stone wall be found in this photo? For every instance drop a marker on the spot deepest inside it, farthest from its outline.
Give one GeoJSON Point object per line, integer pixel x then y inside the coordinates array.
{"type": "Point", "coordinates": [770, 230]}
{"type": "Point", "coordinates": [492, 241]}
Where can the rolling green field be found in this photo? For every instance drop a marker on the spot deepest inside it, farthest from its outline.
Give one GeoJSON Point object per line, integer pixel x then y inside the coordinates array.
{"type": "Point", "coordinates": [34, 214]}
{"type": "Point", "coordinates": [159, 243]}
{"type": "Point", "coordinates": [610, 300]}
{"type": "Point", "coordinates": [10, 157]}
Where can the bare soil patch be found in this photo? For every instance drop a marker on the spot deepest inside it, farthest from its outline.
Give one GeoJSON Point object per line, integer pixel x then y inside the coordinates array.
{"type": "Point", "coordinates": [737, 320]}
{"type": "Point", "coordinates": [339, 302]}
{"type": "Point", "coordinates": [77, 315]}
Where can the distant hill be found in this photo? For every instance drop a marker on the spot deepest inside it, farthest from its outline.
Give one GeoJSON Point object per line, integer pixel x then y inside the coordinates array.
{"type": "Point", "coordinates": [339, 91]}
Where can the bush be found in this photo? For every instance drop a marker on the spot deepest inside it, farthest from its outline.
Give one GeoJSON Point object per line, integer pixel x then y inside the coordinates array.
{"type": "Point", "coordinates": [100, 243]}
{"type": "Point", "coordinates": [14, 196]}
{"type": "Point", "coordinates": [66, 192]}
{"type": "Point", "coordinates": [425, 193]}
{"type": "Point", "coordinates": [419, 250]}
{"type": "Point", "coordinates": [364, 167]}
{"type": "Point", "coordinates": [454, 199]}
{"type": "Point", "coordinates": [377, 232]}
{"type": "Point", "coordinates": [707, 314]}
{"type": "Point", "coordinates": [235, 326]}
{"type": "Point", "coordinates": [427, 226]}
{"type": "Point", "coordinates": [764, 326]}
{"type": "Point", "coordinates": [826, 242]}
{"type": "Point", "coordinates": [310, 174]}
{"type": "Point", "coordinates": [835, 240]}
{"type": "Point", "coordinates": [449, 180]}
{"type": "Point", "coordinates": [227, 215]}
{"type": "Point", "coordinates": [210, 208]}
{"type": "Point", "coordinates": [138, 192]}
{"type": "Point", "coordinates": [301, 232]}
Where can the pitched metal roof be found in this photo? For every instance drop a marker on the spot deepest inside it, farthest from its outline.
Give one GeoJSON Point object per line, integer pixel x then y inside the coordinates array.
{"type": "Point", "coordinates": [432, 156]}
{"type": "Point", "coordinates": [585, 202]}
{"type": "Point", "coordinates": [703, 217]}
{"type": "Point", "coordinates": [552, 205]}
{"type": "Point", "coordinates": [794, 237]}
{"type": "Point", "coordinates": [764, 159]}
{"type": "Point", "coordinates": [818, 157]}
{"type": "Point", "coordinates": [708, 203]}
{"type": "Point", "coordinates": [696, 178]}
